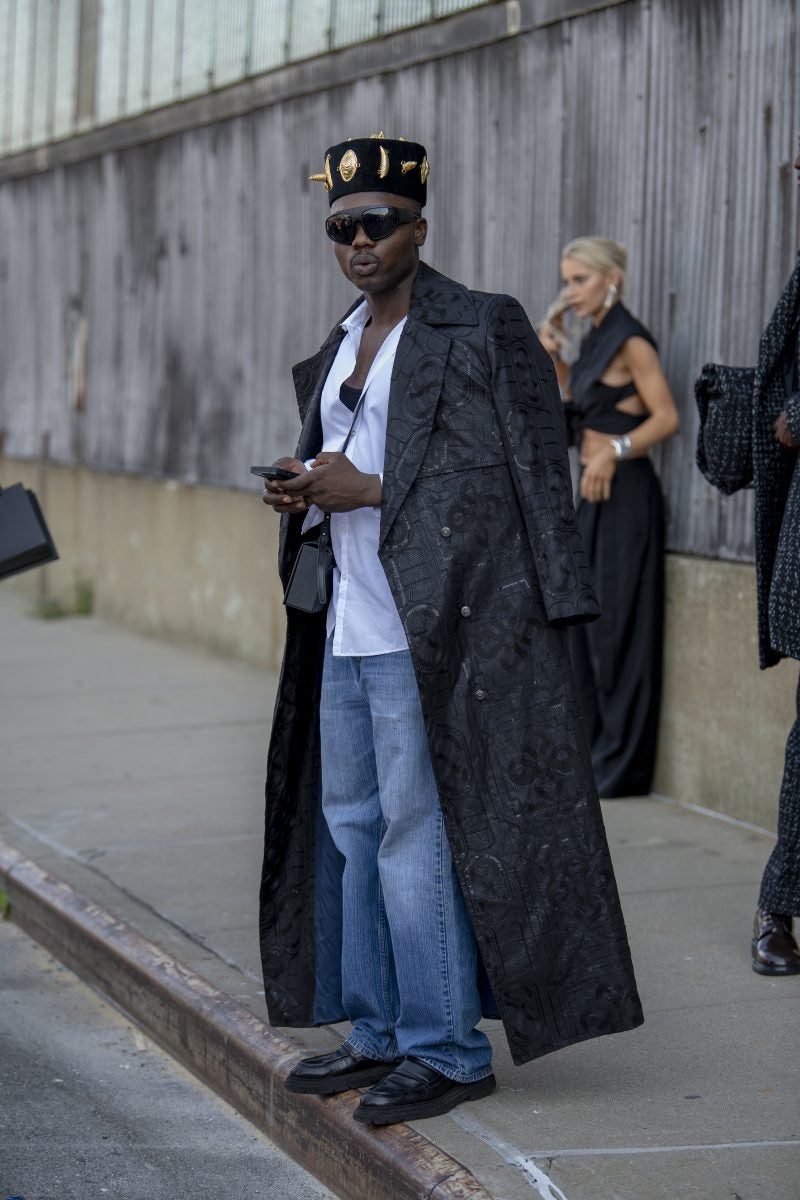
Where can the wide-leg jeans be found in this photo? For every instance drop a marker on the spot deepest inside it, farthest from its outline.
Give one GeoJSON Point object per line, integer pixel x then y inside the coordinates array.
{"type": "Point", "coordinates": [409, 958]}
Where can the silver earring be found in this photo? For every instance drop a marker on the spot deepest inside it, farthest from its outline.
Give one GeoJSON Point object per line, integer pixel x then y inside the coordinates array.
{"type": "Point", "coordinates": [611, 295]}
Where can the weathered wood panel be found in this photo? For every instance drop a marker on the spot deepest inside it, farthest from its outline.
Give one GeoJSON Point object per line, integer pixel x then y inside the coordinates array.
{"type": "Point", "coordinates": [200, 264]}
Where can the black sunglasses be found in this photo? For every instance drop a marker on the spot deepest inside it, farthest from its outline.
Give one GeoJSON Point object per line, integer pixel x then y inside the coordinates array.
{"type": "Point", "coordinates": [377, 221]}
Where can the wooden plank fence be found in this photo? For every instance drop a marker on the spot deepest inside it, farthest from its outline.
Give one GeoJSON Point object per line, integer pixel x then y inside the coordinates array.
{"type": "Point", "coordinates": [182, 277]}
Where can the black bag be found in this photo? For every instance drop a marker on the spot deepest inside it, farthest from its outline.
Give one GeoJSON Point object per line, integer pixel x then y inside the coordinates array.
{"type": "Point", "coordinates": [724, 397]}
{"type": "Point", "coordinates": [311, 581]}
{"type": "Point", "coordinates": [25, 540]}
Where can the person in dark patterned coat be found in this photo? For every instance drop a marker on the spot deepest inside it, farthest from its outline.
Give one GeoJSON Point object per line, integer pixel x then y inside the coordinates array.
{"type": "Point", "coordinates": [472, 876]}
{"type": "Point", "coordinates": [772, 426]}
{"type": "Point", "coordinates": [776, 438]}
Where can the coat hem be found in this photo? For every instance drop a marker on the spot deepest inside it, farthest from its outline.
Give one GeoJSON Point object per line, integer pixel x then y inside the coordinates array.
{"type": "Point", "coordinates": [520, 1058]}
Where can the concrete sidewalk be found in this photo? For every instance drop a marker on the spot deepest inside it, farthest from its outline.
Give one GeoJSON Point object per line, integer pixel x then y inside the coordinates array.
{"type": "Point", "coordinates": [134, 771]}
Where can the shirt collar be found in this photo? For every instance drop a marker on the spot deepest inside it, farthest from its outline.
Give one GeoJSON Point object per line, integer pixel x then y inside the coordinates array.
{"type": "Point", "coordinates": [355, 322]}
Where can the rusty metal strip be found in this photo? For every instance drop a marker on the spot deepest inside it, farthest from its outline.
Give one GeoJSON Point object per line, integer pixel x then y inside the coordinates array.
{"type": "Point", "coordinates": [228, 1047]}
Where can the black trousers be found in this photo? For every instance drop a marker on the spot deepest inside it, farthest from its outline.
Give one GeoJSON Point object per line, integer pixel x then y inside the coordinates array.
{"type": "Point", "coordinates": [780, 886]}
{"type": "Point", "coordinates": [617, 659]}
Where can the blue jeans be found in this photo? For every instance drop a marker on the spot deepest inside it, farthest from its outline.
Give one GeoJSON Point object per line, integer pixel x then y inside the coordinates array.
{"type": "Point", "coordinates": [409, 958]}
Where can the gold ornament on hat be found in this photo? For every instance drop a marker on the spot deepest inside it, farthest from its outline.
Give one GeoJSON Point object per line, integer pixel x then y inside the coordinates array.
{"type": "Point", "coordinates": [425, 169]}
{"type": "Point", "coordinates": [383, 169]}
{"type": "Point", "coordinates": [348, 165]}
{"type": "Point", "coordinates": [325, 177]}
{"type": "Point", "coordinates": [405, 167]}
{"type": "Point", "coordinates": [378, 135]}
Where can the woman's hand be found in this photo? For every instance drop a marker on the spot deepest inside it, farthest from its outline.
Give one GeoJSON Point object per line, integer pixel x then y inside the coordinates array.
{"type": "Point", "coordinates": [274, 494]}
{"type": "Point", "coordinates": [599, 467]}
{"type": "Point", "coordinates": [551, 338]}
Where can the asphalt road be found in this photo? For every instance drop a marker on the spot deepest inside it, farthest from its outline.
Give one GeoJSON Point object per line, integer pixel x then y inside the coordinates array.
{"type": "Point", "coordinates": [90, 1107]}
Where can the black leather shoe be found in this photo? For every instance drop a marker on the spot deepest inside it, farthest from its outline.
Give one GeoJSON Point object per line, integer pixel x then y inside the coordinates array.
{"type": "Point", "coordinates": [775, 950]}
{"type": "Point", "coordinates": [339, 1071]}
{"type": "Point", "coordinates": [415, 1090]}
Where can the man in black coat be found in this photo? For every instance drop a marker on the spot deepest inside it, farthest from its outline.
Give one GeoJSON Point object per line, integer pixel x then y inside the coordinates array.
{"type": "Point", "coordinates": [434, 847]}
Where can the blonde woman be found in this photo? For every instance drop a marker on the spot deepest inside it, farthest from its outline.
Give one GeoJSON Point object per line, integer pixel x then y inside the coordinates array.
{"type": "Point", "coordinates": [619, 405]}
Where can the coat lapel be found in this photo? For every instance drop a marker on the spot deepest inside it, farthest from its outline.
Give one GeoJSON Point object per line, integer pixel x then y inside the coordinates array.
{"type": "Point", "coordinates": [418, 376]}
{"type": "Point", "coordinates": [417, 379]}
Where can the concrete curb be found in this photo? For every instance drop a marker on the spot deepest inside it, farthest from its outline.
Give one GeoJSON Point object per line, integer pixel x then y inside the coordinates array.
{"type": "Point", "coordinates": [228, 1048]}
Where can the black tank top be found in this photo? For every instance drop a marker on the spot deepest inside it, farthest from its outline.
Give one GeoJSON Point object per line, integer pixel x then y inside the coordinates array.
{"type": "Point", "coordinates": [349, 396]}
{"type": "Point", "coordinates": [593, 404]}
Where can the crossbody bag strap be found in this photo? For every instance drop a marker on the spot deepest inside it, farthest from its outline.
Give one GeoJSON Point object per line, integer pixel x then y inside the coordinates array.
{"type": "Point", "coordinates": [324, 541]}
{"type": "Point", "coordinates": [356, 414]}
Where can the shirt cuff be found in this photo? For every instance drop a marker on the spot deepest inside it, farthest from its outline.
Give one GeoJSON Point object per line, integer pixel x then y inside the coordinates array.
{"type": "Point", "coordinates": [793, 415]}
{"type": "Point", "coordinates": [314, 516]}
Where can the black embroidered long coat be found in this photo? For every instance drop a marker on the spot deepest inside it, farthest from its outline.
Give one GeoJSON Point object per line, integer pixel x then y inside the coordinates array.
{"type": "Point", "coordinates": [776, 479]}
{"type": "Point", "coordinates": [479, 544]}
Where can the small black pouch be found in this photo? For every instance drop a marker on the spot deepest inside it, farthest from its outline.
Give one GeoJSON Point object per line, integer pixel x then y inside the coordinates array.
{"type": "Point", "coordinates": [311, 581]}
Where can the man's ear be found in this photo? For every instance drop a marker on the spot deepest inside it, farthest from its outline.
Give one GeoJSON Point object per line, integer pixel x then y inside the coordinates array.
{"type": "Point", "coordinates": [420, 231]}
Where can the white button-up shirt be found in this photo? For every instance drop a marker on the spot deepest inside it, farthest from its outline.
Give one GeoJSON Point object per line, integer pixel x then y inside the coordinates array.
{"type": "Point", "coordinates": [362, 616]}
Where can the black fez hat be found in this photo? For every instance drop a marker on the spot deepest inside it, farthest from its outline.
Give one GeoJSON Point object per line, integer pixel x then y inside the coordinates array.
{"type": "Point", "coordinates": [376, 164]}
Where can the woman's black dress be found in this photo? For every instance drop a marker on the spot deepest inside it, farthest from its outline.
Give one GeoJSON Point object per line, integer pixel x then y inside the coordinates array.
{"type": "Point", "coordinates": [617, 659]}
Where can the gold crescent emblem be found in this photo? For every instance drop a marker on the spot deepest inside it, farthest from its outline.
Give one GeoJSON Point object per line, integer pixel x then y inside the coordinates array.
{"type": "Point", "coordinates": [383, 169]}
{"type": "Point", "coordinates": [425, 169]}
{"type": "Point", "coordinates": [324, 176]}
{"type": "Point", "coordinates": [348, 165]}
{"type": "Point", "coordinates": [405, 167]}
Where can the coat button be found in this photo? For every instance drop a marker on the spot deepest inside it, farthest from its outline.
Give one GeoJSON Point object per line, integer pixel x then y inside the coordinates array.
{"type": "Point", "coordinates": [445, 531]}
{"type": "Point", "coordinates": [480, 694]}
{"type": "Point", "coordinates": [466, 611]}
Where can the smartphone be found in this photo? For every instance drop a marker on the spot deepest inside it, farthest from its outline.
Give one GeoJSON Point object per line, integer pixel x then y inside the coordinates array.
{"type": "Point", "coordinates": [271, 473]}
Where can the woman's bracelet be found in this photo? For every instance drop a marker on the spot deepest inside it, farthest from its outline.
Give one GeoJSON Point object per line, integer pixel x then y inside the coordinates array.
{"type": "Point", "coordinates": [622, 446]}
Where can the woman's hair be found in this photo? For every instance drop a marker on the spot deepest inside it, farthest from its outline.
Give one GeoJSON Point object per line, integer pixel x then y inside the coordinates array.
{"type": "Point", "coordinates": [601, 254]}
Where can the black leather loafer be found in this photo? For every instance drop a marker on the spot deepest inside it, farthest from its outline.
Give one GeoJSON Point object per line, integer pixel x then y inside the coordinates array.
{"type": "Point", "coordinates": [775, 950]}
{"type": "Point", "coordinates": [339, 1071]}
{"type": "Point", "coordinates": [414, 1090]}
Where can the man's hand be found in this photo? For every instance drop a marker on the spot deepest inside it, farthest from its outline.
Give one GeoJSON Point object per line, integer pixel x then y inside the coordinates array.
{"type": "Point", "coordinates": [335, 485]}
{"type": "Point", "coordinates": [599, 467]}
{"type": "Point", "coordinates": [783, 433]}
{"type": "Point", "coordinates": [276, 497]}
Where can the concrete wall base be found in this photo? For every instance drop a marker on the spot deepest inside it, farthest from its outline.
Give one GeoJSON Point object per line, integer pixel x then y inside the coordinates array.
{"type": "Point", "coordinates": [197, 565]}
{"type": "Point", "coordinates": [193, 564]}
{"type": "Point", "coordinates": [724, 723]}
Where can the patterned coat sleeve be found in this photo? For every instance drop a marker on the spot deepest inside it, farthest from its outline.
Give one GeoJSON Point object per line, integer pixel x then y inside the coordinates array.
{"type": "Point", "coordinates": [793, 415]}
{"type": "Point", "coordinates": [531, 418]}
